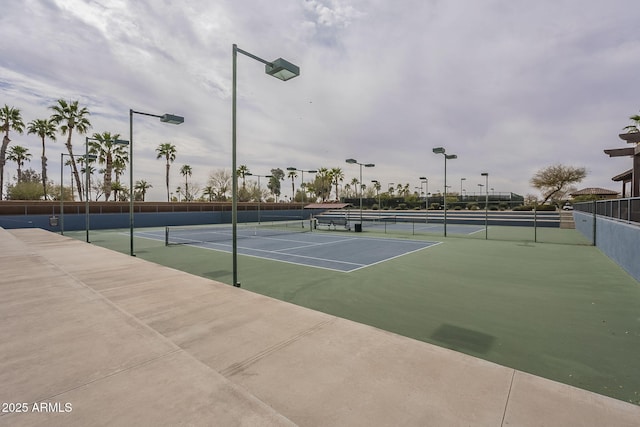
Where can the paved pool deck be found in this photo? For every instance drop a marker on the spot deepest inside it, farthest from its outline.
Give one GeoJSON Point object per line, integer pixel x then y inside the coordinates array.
{"type": "Point", "coordinates": [90, 336]}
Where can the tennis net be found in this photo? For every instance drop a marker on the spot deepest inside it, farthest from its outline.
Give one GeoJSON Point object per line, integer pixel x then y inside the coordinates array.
{"type": "Point", "coordinates": [184, 235]}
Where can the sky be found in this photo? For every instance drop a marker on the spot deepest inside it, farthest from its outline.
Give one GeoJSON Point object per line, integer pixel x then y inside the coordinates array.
{"type": "Point", "coordinates": [509, 86]}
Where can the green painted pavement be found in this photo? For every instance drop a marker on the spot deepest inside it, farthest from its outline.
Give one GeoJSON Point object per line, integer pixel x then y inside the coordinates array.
{"type": "Point", "coordinates": [560, 311]}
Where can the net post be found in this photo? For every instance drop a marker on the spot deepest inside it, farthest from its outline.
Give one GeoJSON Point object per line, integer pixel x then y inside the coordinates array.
{"type": "Point", "coordinates": [166, 236]}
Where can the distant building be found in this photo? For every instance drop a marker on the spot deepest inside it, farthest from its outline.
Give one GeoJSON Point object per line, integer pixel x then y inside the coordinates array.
{"type": "Point", "coordinates": [600, 193]}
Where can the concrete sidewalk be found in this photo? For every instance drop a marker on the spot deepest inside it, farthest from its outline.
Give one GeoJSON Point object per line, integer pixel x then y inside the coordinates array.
{"type": "Point", "coordinates": [108, 339]}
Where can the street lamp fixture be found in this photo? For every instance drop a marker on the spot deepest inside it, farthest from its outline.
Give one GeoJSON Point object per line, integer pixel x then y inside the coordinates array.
{"type": "Point", "coordinates": [279, 69]}
{"type": "Point", "coordinates": [164, 118]}
{"type": "Point", "coordinates": [441, 150]}
{"type": "Point", "coordinates": [366, 165]}
{"type": "Point", "coordinates": [304, 192]}
{"type": "Point", "coordinates": [486, 205]}
{"type": "Point", "coordinates": [426, 195]}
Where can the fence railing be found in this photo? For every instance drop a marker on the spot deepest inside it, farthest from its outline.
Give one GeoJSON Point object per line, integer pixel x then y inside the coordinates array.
{"type": "Point", "coordinates": [627, 210]}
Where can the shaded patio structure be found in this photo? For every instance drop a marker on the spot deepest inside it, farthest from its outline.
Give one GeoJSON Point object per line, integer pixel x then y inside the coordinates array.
{"type": "Point", "coordinates": [633, 175]}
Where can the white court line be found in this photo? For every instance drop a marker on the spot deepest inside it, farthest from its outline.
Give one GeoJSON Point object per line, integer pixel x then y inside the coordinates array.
{"type": "Point", "coordinates": [397, 256]}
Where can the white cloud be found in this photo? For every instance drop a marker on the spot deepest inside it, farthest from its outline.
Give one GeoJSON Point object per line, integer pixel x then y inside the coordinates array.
{"type": "Point", "coordinates": [509, 86]}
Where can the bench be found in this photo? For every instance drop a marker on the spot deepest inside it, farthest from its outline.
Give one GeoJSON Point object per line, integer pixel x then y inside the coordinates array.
{"type": "Point", "coordinates": [332, 221]}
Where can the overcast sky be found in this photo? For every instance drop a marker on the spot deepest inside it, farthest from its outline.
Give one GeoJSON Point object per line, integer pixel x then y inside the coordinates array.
{"type": "Point", "coordinates": [509, 86]}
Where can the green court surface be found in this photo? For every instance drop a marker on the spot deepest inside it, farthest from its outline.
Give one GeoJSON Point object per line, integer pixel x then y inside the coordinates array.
{"type": "Point", "coordinates": [560, 310]}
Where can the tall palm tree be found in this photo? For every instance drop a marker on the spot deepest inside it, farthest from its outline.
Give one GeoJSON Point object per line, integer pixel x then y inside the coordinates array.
{"type": "Point", "coordinates": [337, 175]}
{"type": "Point", "coordinates": [19, 154]}
{"type": "Point", "coordinates": [324, 178]}
{"type": "Point", "coordinates": [86, 169]}
{"type": "Point", "coordinates": [10, 119]}
{"type": "Point", "coordinates": [116, 187]}
{"type": "Point", "coordinates": [354, 183]}
{"type": "Point", "coordinates": [68, 163]}
{"type": "Point", "coordinates": [293, 175]}
{"type": "Point", "coordinates": [243, 171]}
{"type": "Point", "coordinates": [69, 116]}
{"type": "Point", "coordinates": [142, 186]}
{"type": "Point", "coordinates": [210, 192]}
{"type": "Point", "coordinates": [104, 146]}
{"type": "Point", "coordinates": [44, 128]}
{"type": "Point", "coordinates": [186, 171]}
{"type": "Point", "coordinates": [168, 152]}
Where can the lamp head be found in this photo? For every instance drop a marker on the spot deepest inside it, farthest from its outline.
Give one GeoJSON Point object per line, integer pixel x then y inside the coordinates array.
{"type": "Point", "coordinates": [438, 150]}
{"type": "Point", "coordinates": [484, 174]}
{"type": "Point", "coordinates": [451, 156]}
{"type": "Point", "coordinates": [351, 161]}
{"type": "Point", "coordinates": [281, 69]}
{"type": "Point", "coordinates": [313, 171]}
{"type": "Point", "coordinates": [369, 165]}
{"type": "Point", "coordinates": [291, 169]}
{"type": "Point", "coordinates": [424, 178]}
{"type": "Point", "coordinates": [121, 141]}
{"type": "Point", "coordinates": [172, 119]}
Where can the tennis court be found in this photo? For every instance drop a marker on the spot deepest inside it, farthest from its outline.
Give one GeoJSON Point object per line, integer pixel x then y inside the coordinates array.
{"type": "Point", "coordinates": [560, 309]}
{"type": "Point", "coordinates": [291, 242]}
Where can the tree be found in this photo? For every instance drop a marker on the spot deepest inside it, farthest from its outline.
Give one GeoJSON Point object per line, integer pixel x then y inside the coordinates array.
{"type": "Point", "coordinates": [44, 128]}
{"type": "Point", "coordinates": [220, 180]}
{"type": "Point", "coordinates": [116, 188]}
{"type": "Point", "coordinates": [209, 192]}
{"type": "Point", "coordinates": [11, 120]}
{"type": "Point", "coordinates": [554, 181]}
{"type": "Point", "coordinates": [19, 154]}
{"type": "Point", "coordinates": [242, 172]}
{"type": "Point", "coordinates": [87, 169]}
{"type": "Point", "coordinates": [293, 175]}
{"type": "Point", "coordinates": [69, 116]}
{"type": "Point", "coordinates": [168, 151]}
{"type": "Point", "coordinates": [635, 127]}
{"type": "Point", "coordinates": [142, 186]}
{"type": "Point", "coordinates": [186, 171]}
{"type": "Point", "coordinates": [336, 175]}
{"type": "Point", "coordinates": [277, 175]}
{"type": "Point", "coordinates": [29, 188]}
{"type": "Point", "coordinates": [104, 146]}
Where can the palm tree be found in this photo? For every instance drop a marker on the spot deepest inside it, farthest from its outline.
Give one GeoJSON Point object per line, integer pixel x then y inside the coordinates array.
{"type": "Point", "coordinates": [243, 171]}
{"type": "Point", "coordinates": [186, 171]}
{"type": "Point", "coordinates": [210, 192]}
{"type": "Point", "coordinates": [354, 183]}
{"type": "Point", "coordinates": [70, 116]}
{"type": "Point", "coordinates": [337, 175]}
{"type": "Point", "coordinates": [10, 119]}
{"type": "Point", "coordinates": [44, 128]}
{"type": "Point", "coordinates": [635, 127]}
{"type": "Point", "coordinates": [168, 151]}
{"type": "Point", "coordinates": [105, 147]}
{"type": "Point", "coordinates": [293, 175]}
{"type": "Point", "coordinates": [142, 186]}
{"type": "Point", "coordinates": [323, 176]}
{"type": "Point", "coordinates": [179, 190]}
{"type": "Point", "coordinates": [86, 169]}
{"type": "Point", "coordinates": [116, 187]}
{"type": "Point", "coordinates": [19, 154]}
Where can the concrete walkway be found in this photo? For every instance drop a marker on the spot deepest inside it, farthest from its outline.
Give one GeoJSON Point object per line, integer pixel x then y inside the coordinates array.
{"type": "Point", "coordinates": [94, 337]}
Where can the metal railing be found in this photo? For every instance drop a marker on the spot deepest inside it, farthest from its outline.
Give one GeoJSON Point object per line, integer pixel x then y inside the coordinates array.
{"type": "Point", "coordinates": [627, 210]}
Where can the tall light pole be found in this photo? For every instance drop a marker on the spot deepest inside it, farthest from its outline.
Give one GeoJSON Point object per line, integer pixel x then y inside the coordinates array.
{"type": "Point", "coordinates": [441, 150]}
{"type": "Point", "coordinates": [304, 192]}
{"type": "Point", "coordinates": [165, 118]}
{"type": "Point", "coordinates": [486, 205]}
{"type": "Point", "coordinates": [366, 165]}
{"type": "Point", "coordinates": [259, 189]}
{"type": "Point", "coordinates": [280, 69]}
{"type": "Point", "coordinates": [86, 218]}
{"type": "Point", "coordinates": [377, 186]}
{"type": "Point", "coordinates": [461, 179]}
{"type": "Point", "coordinates": [426, 195]}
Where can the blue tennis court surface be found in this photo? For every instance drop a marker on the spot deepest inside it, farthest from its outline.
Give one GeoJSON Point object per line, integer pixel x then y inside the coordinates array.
{"type": "Point", "coordinates": [344, 252]}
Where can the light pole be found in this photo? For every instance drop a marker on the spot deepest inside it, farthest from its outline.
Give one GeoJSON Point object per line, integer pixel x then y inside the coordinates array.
{"type": "Point", "coordinates": [165, 118]}
{"type": "Point", "coordinates": [486, 205]}
{"type": "Point", "coordinates": [441, 150]}
{"type": "Point", "coordinates": [426, 195]}
{"type": "Point", "coordinates": [377, 187]}
{"type": "Point", "coordinates": [461, 179]}
{"type": "Point", "coordinates": [280, 69]}
{"type": "Point", "coordinates": [259, 189]}
{"type": "Point", "coordinates": [366, 165]}
{"type": "Point", "coordinates": [304, 192]}
{"type": "Point", "coordinates": [86, 219]}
